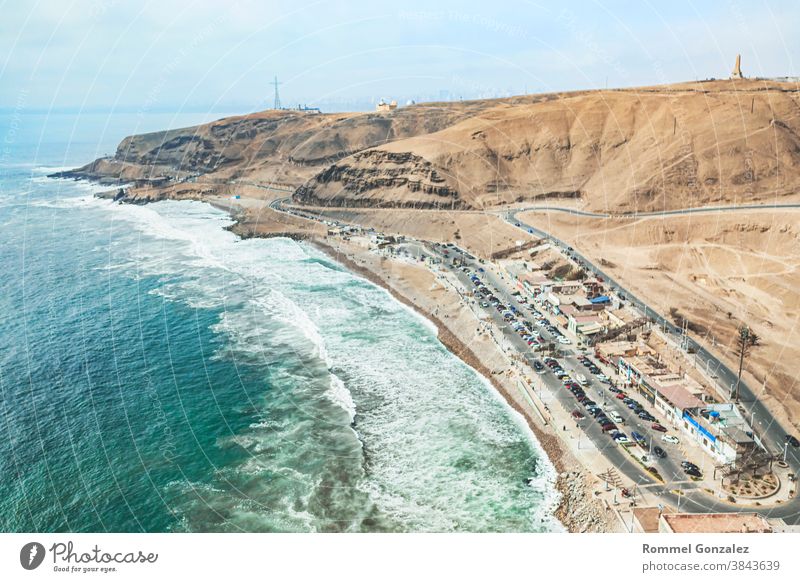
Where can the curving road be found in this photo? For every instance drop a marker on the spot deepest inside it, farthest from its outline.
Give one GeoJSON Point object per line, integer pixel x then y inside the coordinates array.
{"type": "Point", "coordinates": [660, 213]}
{"type": "Point", "coordinates": [767, 428]}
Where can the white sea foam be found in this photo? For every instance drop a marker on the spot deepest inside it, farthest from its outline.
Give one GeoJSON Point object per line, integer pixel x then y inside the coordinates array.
{"type": "Point", "coordinates": [287, 311]}
{"type": "Point", "coordinates": [443, 453]}
{"type": "Point", "coordinates": [340, 395]}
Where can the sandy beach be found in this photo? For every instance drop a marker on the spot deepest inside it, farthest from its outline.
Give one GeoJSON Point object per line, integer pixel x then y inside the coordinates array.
{"type": "Point", "coordinates": [459, 329]}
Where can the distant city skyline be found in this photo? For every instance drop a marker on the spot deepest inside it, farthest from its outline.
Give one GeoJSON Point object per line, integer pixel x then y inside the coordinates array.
{"type": "Point", "coordinates": [201, 56]}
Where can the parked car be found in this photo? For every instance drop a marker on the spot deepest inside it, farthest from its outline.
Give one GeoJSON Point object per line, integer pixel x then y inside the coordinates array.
{"type": "Point", "coordinates": [792, 440]}
{"type": "Point", "coordinates": [668, 438]}
{"type": "Point", "coordinates": [693, 472]}
{"type": "Point", "coordinates": [637, 437]}
{"type": "Point", "coordinates": [659, 452]}
{"type": "Point", "coordinates": [577, 415]}
{"type": "Point", "coordinates": [658, 427]}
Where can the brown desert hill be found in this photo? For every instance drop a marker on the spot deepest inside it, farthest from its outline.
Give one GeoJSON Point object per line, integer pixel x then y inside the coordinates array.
{"type": "Point", "coordinates": [641, 149]}
{"type": "Point", "coordinates": [283, 146]}
{"type": "Point", "coordinates": [627, 150]}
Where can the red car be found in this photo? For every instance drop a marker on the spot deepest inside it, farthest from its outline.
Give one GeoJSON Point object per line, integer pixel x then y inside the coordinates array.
{"type": "Point", "coordinates": [621, 395]}
{"type": "Point", "coordinates": [577, 415]}
{"type": "Point", "coordinates": [658, 427]}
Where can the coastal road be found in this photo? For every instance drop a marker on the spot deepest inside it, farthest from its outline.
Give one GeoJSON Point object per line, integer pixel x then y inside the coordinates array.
{"type": "Point", "coordinates": [659, 213]}
{"type": "Point", "coordinates": [668, 467]}
{"type": "Point", "coordinates": [772, 432]}
{"type": "Point", "coordinates": [769, 430]}
{"type": "Point", "coordinates": [615, 455]}
{"type": "Point", "coordinates": [691, 499]}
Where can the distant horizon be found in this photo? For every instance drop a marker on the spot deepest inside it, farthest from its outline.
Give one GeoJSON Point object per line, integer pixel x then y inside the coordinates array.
{"type": "Point", "coordinates": [176, 56]}
{"type": "Point", "coordinates": [365, 103]}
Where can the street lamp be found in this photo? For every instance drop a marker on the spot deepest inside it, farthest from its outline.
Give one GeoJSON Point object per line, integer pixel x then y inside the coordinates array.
{"type": "Point", "coordinates": [785, 450]}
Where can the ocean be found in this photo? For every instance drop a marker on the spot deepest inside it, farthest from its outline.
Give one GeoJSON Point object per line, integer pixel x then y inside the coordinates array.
{"type": "Point", "coordinates": [157, 374]}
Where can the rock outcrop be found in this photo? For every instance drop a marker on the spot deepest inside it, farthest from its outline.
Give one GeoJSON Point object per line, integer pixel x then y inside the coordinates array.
{"type": "Point", "coordinates": [371, 178]}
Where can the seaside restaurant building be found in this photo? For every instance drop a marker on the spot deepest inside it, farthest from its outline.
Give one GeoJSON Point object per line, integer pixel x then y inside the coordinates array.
{"type": "Point", "coordinates": [718, 428]}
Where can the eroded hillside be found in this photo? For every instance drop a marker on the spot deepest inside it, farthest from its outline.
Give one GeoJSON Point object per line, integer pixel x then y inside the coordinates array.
{"type": "Point", "coordinates": [625, 150]}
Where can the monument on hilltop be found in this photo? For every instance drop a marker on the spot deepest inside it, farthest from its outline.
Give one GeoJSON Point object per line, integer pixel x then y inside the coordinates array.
{"type": "Point", "coordinates": [737, 68]}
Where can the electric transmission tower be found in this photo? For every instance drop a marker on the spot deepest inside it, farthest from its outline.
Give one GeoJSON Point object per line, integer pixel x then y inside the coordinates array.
{"type": "Point", "coordinates": [277, 97]}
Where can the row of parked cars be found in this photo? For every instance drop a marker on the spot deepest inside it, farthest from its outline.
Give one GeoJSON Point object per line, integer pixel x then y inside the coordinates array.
{"type": "Point", "coordinates": [607, 419]}
{"type": "Point", "coordinates": [544, 323]}
{"type": "Point", "coordinates": [610, 419]}
{"type": "Point", "coordinates": [607, 424]}
{"type": "Point", "coordinates": [511, 314]}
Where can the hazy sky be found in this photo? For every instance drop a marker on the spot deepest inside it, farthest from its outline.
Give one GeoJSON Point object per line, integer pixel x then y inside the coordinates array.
{"type": "Point", "coordinates": [167, 55]}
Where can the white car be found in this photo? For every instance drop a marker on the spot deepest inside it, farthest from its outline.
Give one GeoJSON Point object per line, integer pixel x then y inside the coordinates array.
{"type": "Point", "coordinates": [615, 416]}
{"type": "Point", "coordinates": [668, 438]}
{"type": "Point", "coordinates": [563, 340]}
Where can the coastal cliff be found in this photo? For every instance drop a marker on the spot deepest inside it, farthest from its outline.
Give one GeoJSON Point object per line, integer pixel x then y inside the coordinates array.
{"type": "Point", "coordinates": [639, 149]}
{"type": "Point", "coordinates": [370, 179]}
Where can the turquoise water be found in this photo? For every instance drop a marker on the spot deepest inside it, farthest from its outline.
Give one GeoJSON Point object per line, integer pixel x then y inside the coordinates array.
{"type": "Point", "coordinates": [159, 374]}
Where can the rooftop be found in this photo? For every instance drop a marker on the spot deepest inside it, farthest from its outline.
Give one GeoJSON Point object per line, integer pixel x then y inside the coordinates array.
{"type": "Point", "coordinates": [677, 395]}
{"type": "Point", "coordinates": [647, 518]}
{"type": "Point", "coordinates": [737, 435]}
{"type": "Point", "coordinates": [715, 523]}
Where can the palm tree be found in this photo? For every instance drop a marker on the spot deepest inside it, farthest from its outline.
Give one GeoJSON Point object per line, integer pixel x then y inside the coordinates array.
{"type": "Point", "coordinates": [744, 343]}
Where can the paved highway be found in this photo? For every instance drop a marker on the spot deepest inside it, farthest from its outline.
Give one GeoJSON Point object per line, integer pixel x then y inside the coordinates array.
{"type": "Point", "coordinates": [770, 431]}
{"type": "Point", "coordinates": [691, 499]}
{"type": "Point", "coordinates": [668, 467]}
{"type": "Point", "coordinates": [659, 213]}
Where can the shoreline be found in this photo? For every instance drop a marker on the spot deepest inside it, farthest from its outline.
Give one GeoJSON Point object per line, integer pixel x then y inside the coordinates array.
{"type": "Point", "coordinates": [547, 443]}
{"type": "Point", "coordinates": [575, 508]}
